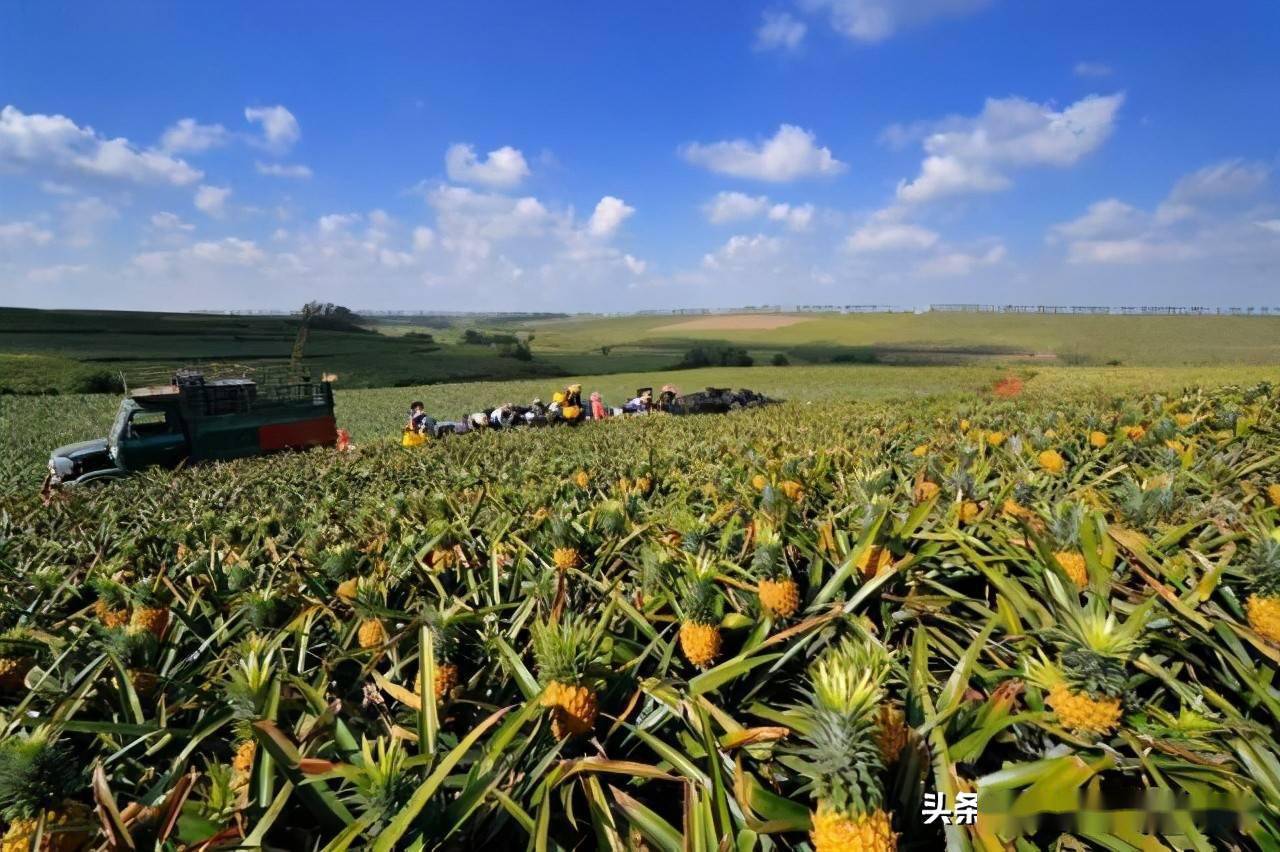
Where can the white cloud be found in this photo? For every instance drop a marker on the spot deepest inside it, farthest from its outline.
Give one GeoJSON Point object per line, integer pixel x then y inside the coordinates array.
{"type": "Point", "coordinates": [57, 272]}
{"type": "Point", "coordinates": [229, 250]}
{"type": "Point", "coordinates": [877, 236]}
{"type": "Point", "coordinates": [742, 249]}
{"type": "Point", "coordinates": [877, 20]}
{"type": "Point", "coordinates": [779, 31]}
{"type": "Point", "coordinates": [83, 219]}
{"type": "Point", "coordinates": [423, 238]}
{"type": "Point", "coordinates": [636, 266]}
{"type": "Point", "coordinates": [54, 142]}
{"type": "Point", "coordinates": [733, 206]}
{"type": "Point", "coordinates": [23, 234]}
{"type": "Point", "coordinates": [796, 216]}
{"type": "Point", "coordinates": [188, 135]}
{"type": "Point", "coordinates": [280, 129]}
{"type": "Point", "coordinates": [609, 214]}
{"type": "Point", "coordinates": [792, 153]}
{"type": "Point", "coordinates": [1092, 69]}
{"type": "Point", "coordinates": [972, 155]}
{"type": "Point", "coordinates": [334, 222]}
{"type": "Point", "coordinates": [1272, 225]}
{"type": "Point", "coordinates": [284, 170]}
{"type": "Point", "coordinates": [1131, 251]}
{"type": "Point", "coordinates": [1225, 179]}
{"type": "Point", "coordinates": [212, 200]}
{"type": "Point", "coordinates": [55, 188]}
{"type": "Point", "coordinates": [1108, 217]}
{"type": "Point", "coordinates": [958, 263]}
{"type": "Point", "coordinates": [166, 221]}
{"type": "Point", "coordinates": [502, 168]}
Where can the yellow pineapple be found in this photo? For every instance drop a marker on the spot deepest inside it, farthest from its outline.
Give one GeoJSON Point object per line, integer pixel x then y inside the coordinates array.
{"type": "Point", "coordinates": [700, 610]}
{"type": "Point", "coordinates": [347, 589]}
{"type": "Point", "coordinates": [242, 758]}
{"type": "Point", "coordinates": [564, 652]}
{"type": "Point", "coordinates": [566, 558]}
{"type": "Point", "coordinates": [372, 633]}
{"type": "Point", "coordinates": [969, 511]}
{"type": "Point", "coordinates": [1262, 607]}
{"type": "Point", "coordinates": [446, 680]}
{"type": "Point", "coordinates": [1097, 439]}
{"type": "Point", "coordinates": [581, 479]}
{"type": "Point", "coordinates": [779, 594]}
{"type": "Point", "coordinates": [844, 763]}
{"type": "Point", "coordinates": [793, 490]}
{"type": "Point", "coordinates": [925, 490]}
{"type": "Point", "coordinates": [1052, 461]}
{"type": "Point", "coordinates": [1072, 562]}
{"type": "Point", "coordinates": [700, 643]}
{"type": "Point", "coordinates": [1136, 432]}
{"type": "Point", "coordinates": [150, 613]}
{"type": "Point", "coordinates": [112, 606]}
{"type": "Point", "coordinates": [40, 776]}
{"type": "Point", "coordinates": [1086, 684]}
{"type": "Point", "coordinates": [995, 439]}
{"type": "Point", "coordinates": [1273, 494]}
{"type": "Point", "coordinates": [890, 732]}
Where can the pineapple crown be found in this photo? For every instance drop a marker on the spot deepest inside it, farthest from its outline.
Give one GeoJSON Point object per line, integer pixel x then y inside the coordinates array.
{"type": "Point", "coordinates": [339, 562]}
{"type": "Point", "coordinates": [1095, 674]}
{"type": "Point", "coordinates": [1094, 627]}
{"type": "Point", "coordinates": [1064, 526]}
{"type": "Point", "coordinates": [444, 632]}
{"type": "Point", "coordinates": [562, 649]}
{"type": "Point", "coordinates": [840, 755]}
{"type": "Point", "coordinates": [1263, 567]}
{"type": "Point", "coordinates": [261, 608]}
{"type": "Point", "coordinates": [249, 684]}
{"type": "Point", "coordinates": [20, 642]}
{"type": "Point", "coordinates": [132, 647]}
{"type": "Point", "coordinates": [35, 773]}
{"type": "Point", "coordinates": [611, 517]}
{"type": "Point", "coordinates": [381, 786]}
{"type": "Point", "coordinates": [147, 593]}
{"type": "Point", "coordinates": [769, 559]}
{"type": "Point", "coordinates": [700, 600]}
{"type": "Point", "coordinates": [110, 592]}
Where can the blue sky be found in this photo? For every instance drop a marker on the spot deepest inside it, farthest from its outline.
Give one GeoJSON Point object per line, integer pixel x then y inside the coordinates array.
{"type": "Point", "coordinates": [589, 156]}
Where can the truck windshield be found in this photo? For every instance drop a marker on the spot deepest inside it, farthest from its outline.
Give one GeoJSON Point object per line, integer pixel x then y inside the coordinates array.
{"type": "Point", "coordinates": [118, 428]}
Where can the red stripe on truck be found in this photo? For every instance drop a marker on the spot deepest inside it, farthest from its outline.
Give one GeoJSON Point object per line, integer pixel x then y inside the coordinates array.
{"type": "Point", "coordinates": [317, 432]}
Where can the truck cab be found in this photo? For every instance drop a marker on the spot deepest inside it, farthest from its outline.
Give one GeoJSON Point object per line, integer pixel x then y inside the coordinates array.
{"type": "Point", "coordinates": [193, 419]}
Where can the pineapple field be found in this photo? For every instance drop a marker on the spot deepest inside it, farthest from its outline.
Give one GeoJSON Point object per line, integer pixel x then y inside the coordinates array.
{"type": "Point", "coordinates": [1029, 613]}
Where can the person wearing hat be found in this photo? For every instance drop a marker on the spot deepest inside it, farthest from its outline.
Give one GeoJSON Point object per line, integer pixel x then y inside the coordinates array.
{"type": "Point", "coordinates": [666, 399]}
{"type": "Point", "coordinates": [571, 409]}
{"type": "Point", "coordinates": [598, 411]}
{"type": "Point", "coordinates": [641, 403]}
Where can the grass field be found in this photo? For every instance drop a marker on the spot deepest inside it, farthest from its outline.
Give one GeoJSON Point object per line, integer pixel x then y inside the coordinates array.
{"type": "Point", "coordinates": [782, 627]}
{"type": "Point", "coordinates": [61, 350]}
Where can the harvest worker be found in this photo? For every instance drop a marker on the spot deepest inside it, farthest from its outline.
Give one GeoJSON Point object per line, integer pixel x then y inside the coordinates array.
{"type": "Point", "coordinates": [572, 408]}
{"type": "Point", "coordinates": [667, 398]}
{"type": "Point", "coordinates": [598, 411]}
{"type": "Point", "coordinates": [419, 421]}
{"type": "Point", "coordinates": [642, 403]}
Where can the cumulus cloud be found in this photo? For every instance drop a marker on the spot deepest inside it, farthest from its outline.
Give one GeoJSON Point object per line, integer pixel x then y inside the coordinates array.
{"type": "Point", "coordinates": [1272, 225]}
{"type": "Point", "coordinates": [609, 214]}
{"type": "Point", "coordinates": [879, 236]}
{"type": "Point", "coordinates": [503, 168]}
{"type": "Point", "coordinates": [877, 20]}
{"type": "Point", "coordinates": [790, 154]}
{"type": "Point", "coordinates": [959, 263]}
{"type": "Point", "coordinates": [1226, 179]}
{"type": "Point", "coordinates": [334, 222]}
{"type": "Point", "coordinates": [55, 273]}
{"type": "Point", "coordinates": [733, 206]}
{"type": "Point", "coordinates": [636, 266]}
{"type": "Point", "coordinates": [24, 233]}
{"type": "Point", "coordinates": [166, 221]}
{"type": "Point", "coordinates": [212, 200]}
{"type": "Point", "coordinates": [974, 154]}
{"type": "Point", "coordinates": [38, 142]}
{"type": "Point", "coordinates": [280, 128]}
{"type": "Point", "coordinates": [297, 171]}
{"type": "Point", "coordinates": [423, 238]}
{"type": "Point", "coordinates": [795, 216]}
{"type": "Point", "coordinates": [1112, 232]}
{"type": "Point", "coordinates": [779, 31]}
{"type": "Point", "coordinates": [189, 136]}
{"type": "Point", "coordinates": [742, 249]}
{"type": "Point", "coordinates": [1110, 216]}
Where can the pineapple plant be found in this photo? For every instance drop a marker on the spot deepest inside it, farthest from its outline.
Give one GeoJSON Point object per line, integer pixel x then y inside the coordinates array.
{"type": "Point", "coordinates": [18, 650]}
{"type": "Point", "coordinates": [38, 779]}
{"type": "Point", "coordinates": [1263, 604]}
{"type": "Point", "coordinates": [445, 641]}
{"type": "Point", "coordinates": [150, 613]}
{"type": "Point", "coordinates": [247, 690]}
{"type": "Point", "coordinates": [1051, 461]}
{"type": "Point", "coordinates": [700, 638]}
{"type": "Point", "coordinates": [841, 759]}
{"type": "Point", "coordinates": [563, 652]}
{"type": "Point", "coordinates": [1085, 687]}
{"type": "Point", "coordinates": [1064, 532]}
{"type": "Point", "coordinates": [371, 600]}
{"type": "Point", "coordinates": [112, 606]}
{"type": "Point", "coordinates": [778, 591]}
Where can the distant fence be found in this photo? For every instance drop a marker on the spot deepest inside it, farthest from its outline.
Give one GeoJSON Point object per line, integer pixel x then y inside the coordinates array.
{"type": "Point", "coordinates": [1124, 310]}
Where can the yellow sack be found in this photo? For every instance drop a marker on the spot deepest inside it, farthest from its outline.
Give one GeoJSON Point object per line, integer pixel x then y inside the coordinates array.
{"type": "Point", "coordinates": [412, 439]}
{"type": "Point", "coordinates": [571, 412]}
